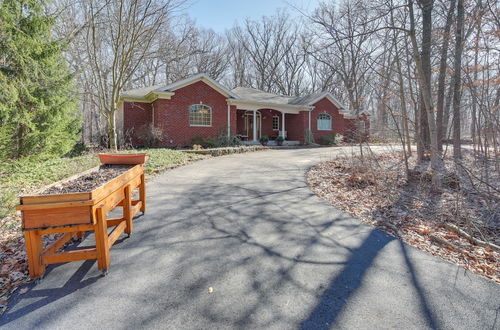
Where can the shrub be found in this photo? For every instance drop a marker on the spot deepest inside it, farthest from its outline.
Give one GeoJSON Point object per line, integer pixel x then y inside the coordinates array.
{"type": "Point", "coordinates": [309, 137]}
{"type": "Point", "coordinates": [280, 139]}
{"type": "Point", "coordinates": [229, 141]}
{"type": "Point", "coordinates": [328, 140]}
{"type": "Point", "coordinates": [264, 139]}
{"type": "Point", "coordinates": [197, 140]}
{"type": "Point", "coordinates": [150, 135]}
{"type": "Point", "coordinates": [78, 149]}
{"type": "Point", "coordinates": [222, 141]}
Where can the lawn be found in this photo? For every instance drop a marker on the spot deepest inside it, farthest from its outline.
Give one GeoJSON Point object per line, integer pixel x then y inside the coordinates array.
{"type": "Point", "coordinates": [28, 174]}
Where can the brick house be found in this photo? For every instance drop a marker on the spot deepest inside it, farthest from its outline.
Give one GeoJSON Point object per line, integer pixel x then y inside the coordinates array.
{"type": "Point", "coordinates": [199, 107]}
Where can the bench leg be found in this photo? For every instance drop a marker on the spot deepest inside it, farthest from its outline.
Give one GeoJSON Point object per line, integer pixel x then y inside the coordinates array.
{"type": "Point", "coordinates": [142, 193]}
{"type": "Point", "coordinates": [101, 241]}
{"type": "Point", "coordinates": [127, 210]}
{"type": "Point", "coordinates": [34, 250]}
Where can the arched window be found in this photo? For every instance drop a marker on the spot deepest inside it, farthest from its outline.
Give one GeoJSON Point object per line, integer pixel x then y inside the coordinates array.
{"type": "Point", "coordinates": [324, 122]}
{"type": "Point", "coordinates": [200, 115]}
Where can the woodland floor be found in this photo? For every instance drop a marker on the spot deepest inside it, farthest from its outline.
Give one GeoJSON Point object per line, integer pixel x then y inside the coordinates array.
{"type": "Point", "coordinates": [374, 189]}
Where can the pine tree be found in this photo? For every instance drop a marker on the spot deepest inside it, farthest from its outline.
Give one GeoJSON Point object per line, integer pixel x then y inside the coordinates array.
{"type": "Point", "coordinates": [37, 94]}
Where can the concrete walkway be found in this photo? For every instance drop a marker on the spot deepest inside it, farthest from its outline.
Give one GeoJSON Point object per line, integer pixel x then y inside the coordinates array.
{"type": "Point", "coordinates": [275, 255]}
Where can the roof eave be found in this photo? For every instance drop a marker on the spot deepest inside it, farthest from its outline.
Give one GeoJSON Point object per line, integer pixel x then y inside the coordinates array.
{"type": "Point", "coordinates": [269, 105]}
{"type": "Point", "coordinates": [149, 97]}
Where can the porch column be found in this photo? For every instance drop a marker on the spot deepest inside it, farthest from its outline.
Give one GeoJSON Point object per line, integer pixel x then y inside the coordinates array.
{"type": "Point", "coordinates": [228, 120]}
{"type": "Point", "coordinates": [309, 120]}
{"type": "Point", "coordinates": [283, 125]}
{"type": "Point", "coordinates": [255, 125]}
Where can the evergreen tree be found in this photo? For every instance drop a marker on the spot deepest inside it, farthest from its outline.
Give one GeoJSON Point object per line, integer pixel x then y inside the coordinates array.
{"type": "Point", "coordinates": [37, 95]}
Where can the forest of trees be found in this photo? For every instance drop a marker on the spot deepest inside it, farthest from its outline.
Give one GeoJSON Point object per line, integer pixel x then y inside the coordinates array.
{"type": "Point", "coordinates": [426, 70]}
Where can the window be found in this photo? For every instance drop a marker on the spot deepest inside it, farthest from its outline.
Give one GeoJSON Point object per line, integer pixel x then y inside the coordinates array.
{"type": "Point", "coordinates": [276, 123]}
{"type": "Point", "coordinates": [324, 122]}
{"type": "Point", "coordinates": [200, 115]}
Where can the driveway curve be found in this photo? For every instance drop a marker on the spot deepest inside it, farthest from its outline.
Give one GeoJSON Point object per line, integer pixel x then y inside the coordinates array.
{"type": "Point", "coordinates": [241, 242]}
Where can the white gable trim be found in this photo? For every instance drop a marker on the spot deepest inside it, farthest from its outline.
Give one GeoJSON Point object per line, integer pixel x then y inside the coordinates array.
{"type": "Point", "coordinates": [193, 79]}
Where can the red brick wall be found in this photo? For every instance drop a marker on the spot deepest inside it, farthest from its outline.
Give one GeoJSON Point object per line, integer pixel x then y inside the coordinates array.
{"type": "Point", "coordinates": [295, 126]}
{"type": "Point", "coordinates": [172, 116]}
{"type": "Point", "coordinates": [135, 116]}
{"type": "Point", "coordinates": [352, 132]}
{"type": "Point", "coordinates": [339, 123]}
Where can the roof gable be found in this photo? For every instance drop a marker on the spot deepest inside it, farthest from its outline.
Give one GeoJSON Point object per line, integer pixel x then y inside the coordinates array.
{"type": "Point", "coordinates": [315, 98]}
{"type": "Point", "coordinates": [194, 79]}
{"type": "Point", "coordinates": [149, 94]}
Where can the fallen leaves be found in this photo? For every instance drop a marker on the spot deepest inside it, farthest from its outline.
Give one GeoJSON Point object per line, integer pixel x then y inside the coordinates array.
{"type": "Point", "coordinates": [375, 191]}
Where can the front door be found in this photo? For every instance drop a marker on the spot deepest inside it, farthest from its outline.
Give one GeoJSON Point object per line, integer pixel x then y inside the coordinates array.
{"type": "Point", "coordinates": [249, 125]}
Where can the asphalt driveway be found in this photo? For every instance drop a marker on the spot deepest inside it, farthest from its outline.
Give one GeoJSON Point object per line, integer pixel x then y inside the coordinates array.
{"type": "Point", "coordinates": [275, 255]}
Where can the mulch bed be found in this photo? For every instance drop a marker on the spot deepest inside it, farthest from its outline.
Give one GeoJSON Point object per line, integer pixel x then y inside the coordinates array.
{"type": "Point", "coordinates": [89, 181]}
{"type": "Point", "coordinates": [375, 190]}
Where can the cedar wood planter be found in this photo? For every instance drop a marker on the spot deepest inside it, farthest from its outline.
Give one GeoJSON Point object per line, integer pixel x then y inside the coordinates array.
{"type": "Point", "coordinates": [137, 158]}
{"type": "Point", "coordinates": [72, 214]}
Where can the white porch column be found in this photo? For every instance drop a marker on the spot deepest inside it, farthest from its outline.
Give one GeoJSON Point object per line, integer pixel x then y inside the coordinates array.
{"type": "Point", "coordinates": [309, 120]}
{"type": "Point", "coordinates": [228, 120]}
{"type": "Point", "coordinates": [255, 125]}
{"type": "Point", "coordinates": [283, 125]}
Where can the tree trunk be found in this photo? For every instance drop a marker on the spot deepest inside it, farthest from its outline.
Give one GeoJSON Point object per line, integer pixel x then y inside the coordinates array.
{"type": "Point", "coordinates": [113, 145]}
{"type": "Point", "coordinates": [457, 83]}
{"type": "Point", "coordinates": [442, 76]}
{"type": "Point", "coordinates": [423, 75]}
{"type": "Point", "coordinates": [426, 6]}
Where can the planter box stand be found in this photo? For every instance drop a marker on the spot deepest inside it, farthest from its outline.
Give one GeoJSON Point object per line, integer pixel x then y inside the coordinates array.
{"type": "Point", "coordinates": [74, 214]}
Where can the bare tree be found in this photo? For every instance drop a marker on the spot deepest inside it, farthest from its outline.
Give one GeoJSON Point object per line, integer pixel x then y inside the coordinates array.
{"type": "Point", "coordinates": [118, 39]}
{"type": "Point", "coordinates": [343, 43]}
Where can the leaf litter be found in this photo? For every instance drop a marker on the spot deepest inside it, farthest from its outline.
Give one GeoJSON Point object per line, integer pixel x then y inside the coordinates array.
{"type": "Point", "coordinates": [375, 190]}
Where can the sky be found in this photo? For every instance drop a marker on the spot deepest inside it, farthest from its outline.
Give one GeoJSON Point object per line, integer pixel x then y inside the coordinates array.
{"type": "Point", "coordinates": [220, 15]}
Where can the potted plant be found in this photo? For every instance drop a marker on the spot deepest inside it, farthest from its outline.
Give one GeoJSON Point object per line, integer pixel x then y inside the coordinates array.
{"type": "Point", "coordinates": [279, 140]}
{"type": "Point", "coordinates": [263, 140]}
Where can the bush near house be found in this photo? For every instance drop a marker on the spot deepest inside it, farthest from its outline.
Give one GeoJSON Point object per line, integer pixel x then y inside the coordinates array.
{"type": "Point", "coordinates": [328, 140]}
{"type": "Point", "coordinates": [222, 141]}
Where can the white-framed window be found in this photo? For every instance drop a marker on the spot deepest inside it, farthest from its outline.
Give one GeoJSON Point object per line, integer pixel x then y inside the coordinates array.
{"type": "Point", "coordinates": [276, 123]}
{"type": "Point", "coordinates": [324, 122]}
{"type": "Point", "coordinates": [200, 115]}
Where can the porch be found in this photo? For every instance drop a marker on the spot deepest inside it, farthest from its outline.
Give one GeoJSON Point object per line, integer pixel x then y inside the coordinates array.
{"type": "Point", "coordinates": [251, 125]}
{"type": "Point", "coordinates": [260, 114]}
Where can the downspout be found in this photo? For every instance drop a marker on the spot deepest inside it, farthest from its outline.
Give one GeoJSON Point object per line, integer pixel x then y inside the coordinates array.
{"type": "Point", "coordinates": [153, 114]}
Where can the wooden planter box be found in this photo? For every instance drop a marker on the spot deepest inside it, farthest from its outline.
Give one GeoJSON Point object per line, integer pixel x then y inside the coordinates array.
{"type": "Point", "coordinates": [116, 158]}
{"type": "Point", "coordinates": [75, 213]}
